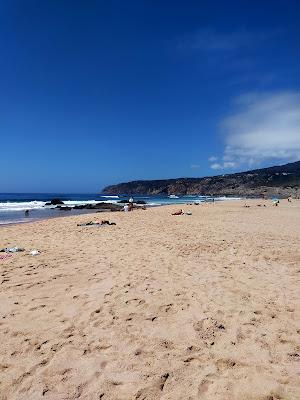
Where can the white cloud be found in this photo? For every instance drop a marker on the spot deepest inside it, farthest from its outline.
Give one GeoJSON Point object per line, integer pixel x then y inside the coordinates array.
{"type": "Point", "coordinates": [213, 158]}
{"type": "Point", "coordinates": [265, 126]}
{"type": "Point", "coordinates": [229, 164]}
{"type": "Point", "coordinates": [223, 165]}
{"type": "Point", "coordinates": [195, 166]}
{"type": "Point", "coordinates": [216, 166]}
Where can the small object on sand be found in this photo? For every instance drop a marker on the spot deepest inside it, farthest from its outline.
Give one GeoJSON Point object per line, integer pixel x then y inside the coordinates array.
{"type": "Point", "coordinates": [12, 249]}
{"type": "Point", "coordinates": [126, 208]}
{"type": "Point", "coordinates": [188, 213]}
{"type": "Point", "coordinates": [5, 256]}
{"type": "Point", "coordinates": [34, 252]}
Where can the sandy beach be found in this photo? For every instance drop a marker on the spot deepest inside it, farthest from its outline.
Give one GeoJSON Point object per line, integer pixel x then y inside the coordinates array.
{"type": "Point", "coordinates": [201, 306]}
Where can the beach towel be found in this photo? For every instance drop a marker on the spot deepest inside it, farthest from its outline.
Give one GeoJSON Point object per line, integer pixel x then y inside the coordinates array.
{"type": "Point", "coordinates": [12, 249]}
{"type": "Point", "coordinates": [4, 256]}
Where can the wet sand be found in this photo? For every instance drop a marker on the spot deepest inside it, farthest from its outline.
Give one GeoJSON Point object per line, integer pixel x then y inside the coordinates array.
{"type": "Point", "coordinates": [157, 307]}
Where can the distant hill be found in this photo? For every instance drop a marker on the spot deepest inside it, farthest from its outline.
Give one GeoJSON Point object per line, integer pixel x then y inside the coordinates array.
{"type": "Point", "coordinates": [283, 180]}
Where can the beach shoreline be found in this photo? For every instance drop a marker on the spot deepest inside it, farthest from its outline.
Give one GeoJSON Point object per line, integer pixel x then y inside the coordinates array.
{"type": "Point", "coordinates": [201, 306]}
{"type": "Point", "coordinates": [70, 213]}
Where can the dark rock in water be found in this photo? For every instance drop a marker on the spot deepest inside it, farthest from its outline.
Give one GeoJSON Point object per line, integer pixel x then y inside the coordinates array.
{"type": "Point", "coordinates": [99, 206]}
{"type": "Point", "coordinates": [135, 202]}
{"type": "Point", "coordinates": [54, 202]}
{"type": "Point", "coordinates": [80, 207]}
{"type": "Point", "coordinates": [64, 208]}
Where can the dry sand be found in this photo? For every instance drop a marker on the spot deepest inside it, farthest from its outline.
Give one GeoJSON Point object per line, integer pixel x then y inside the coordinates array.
{"type": "Point", "coordinates": [157, 307]}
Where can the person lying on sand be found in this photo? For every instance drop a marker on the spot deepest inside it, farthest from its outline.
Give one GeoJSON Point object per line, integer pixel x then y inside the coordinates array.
{"type": "Point", "coordinates": [103, 222]}
{"type": "Point", "coordinates": [179, 212]}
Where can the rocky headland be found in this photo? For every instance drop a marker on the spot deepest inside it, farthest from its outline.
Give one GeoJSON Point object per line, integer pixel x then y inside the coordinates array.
{"type": "Point", "coordinates": [281, 181]}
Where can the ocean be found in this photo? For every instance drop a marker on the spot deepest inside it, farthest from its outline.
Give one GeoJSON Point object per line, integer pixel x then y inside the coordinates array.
{"type": "Point", "coordinates": [13, 205]}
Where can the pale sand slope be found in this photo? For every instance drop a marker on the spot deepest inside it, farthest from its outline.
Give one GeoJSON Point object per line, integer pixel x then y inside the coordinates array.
{"type": "Point", "coordinates": [157, 307]}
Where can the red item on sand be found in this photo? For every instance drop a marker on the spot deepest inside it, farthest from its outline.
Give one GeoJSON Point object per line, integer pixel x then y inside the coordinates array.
{"type": "Point", "coordinates": [4, 256]}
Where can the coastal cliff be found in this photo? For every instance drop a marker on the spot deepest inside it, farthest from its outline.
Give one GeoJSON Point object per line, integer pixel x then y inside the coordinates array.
{"type": "Point", "coordinates": [282, 181]}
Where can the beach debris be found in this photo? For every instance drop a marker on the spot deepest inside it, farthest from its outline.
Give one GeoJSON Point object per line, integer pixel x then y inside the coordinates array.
{"type": "Point", "coordinates": [188, 213]}
{"type": "Point", "coordinates": [34, 252]}
{"type": "Point", "coordinates": [12, 249]}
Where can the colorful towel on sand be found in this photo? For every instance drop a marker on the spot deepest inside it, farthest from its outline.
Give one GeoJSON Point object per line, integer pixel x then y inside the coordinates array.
{"type": "Point", "coordinates": [4, 256]}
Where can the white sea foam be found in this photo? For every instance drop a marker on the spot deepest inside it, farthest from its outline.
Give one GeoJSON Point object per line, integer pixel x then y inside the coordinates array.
{"type": "Point", "coordinates": [79, 202]}
{"type": "Point", "coordinates": [73, 203]}
{"type": "Point", "coordinates": [37, 205]}
{"type": "Point", "coordinates": [15, 221]}
{"type": "Point", "coordinates": [21, 206]}
{"type": "Point", "coordinates": [224, 198]}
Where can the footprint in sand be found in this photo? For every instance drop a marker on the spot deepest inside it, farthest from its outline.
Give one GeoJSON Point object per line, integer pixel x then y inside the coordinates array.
{"type": "Point", "coordinates": [135, 302]}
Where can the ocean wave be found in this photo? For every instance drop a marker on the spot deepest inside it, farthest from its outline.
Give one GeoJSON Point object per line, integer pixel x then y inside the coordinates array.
{"type": "Point", "coordinates": [224, 198]}
{"type": "Point", "coordinates": [79, 202]}
{"type": "Point", "coordinates": [38, 205]}
{"type": "Point", "coordinates": [73, 203]}
{"type": "Point", "coordinates": [15, 221]}
{"type": "Point", "coordinates": [21, 206]}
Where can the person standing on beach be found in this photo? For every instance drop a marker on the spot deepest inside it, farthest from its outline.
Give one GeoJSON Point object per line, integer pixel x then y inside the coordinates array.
{"type": "Point", "coordinates": [130, 204]}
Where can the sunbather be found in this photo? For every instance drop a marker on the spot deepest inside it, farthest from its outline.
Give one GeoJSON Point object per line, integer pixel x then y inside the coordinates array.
{"type": "Point", "coordinates": [103, 222]}
{"type": "Point", "coordinates": [179, 212]}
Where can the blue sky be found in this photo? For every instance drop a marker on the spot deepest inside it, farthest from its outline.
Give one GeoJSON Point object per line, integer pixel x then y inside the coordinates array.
{"type": "Point", "coordinates": [99, 92]}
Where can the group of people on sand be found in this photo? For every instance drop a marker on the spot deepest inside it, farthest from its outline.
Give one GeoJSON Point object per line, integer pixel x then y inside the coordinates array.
{"type": "Point", "coordinates": [130, 206]}
{"type": "Point", "coordinates": [275, 202]}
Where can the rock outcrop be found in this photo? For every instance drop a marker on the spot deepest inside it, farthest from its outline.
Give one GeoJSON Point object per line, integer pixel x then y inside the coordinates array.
{"type": "Point", "coordinates": [54, 202]}
{"type": "Point", "coordinates": [281, 181]}
{"type": "Point", "coordinates": [99, 206]}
